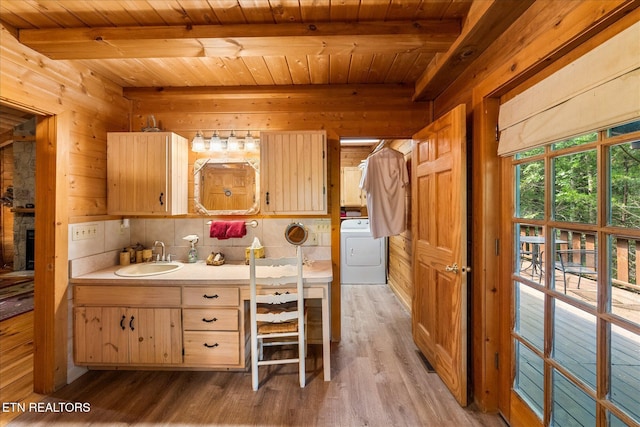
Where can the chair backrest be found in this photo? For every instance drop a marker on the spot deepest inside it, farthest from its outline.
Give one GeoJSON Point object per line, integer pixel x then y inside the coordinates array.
{"type": "Point", "coordinates": [276, 273]}
{"type": "Point", "coordinates": [578, 260]}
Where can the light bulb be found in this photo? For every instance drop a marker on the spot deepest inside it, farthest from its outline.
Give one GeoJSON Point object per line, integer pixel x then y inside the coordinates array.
{"type": "Point", "coordinates": [197, 145]}
{"type": "Point", "coordinates": [232, 142]}
{"type": "Point", "coordinates": [215, 143]}
{"type": "Point", "coordinates": [249, 143]}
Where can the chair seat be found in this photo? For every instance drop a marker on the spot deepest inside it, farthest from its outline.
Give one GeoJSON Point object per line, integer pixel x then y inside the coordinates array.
{"type": "Point", "coordinates": [277, 328]}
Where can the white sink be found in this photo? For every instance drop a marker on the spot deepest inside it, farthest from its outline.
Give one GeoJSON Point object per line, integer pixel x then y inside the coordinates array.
{"type": "Point", "coordinates": [149, 269]}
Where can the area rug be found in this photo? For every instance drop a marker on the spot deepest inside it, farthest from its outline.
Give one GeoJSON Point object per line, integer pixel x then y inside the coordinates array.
{"type": "Point", "coordinates": [16, 296]}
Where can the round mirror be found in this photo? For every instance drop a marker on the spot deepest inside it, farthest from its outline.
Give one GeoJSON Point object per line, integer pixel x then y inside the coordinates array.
{"type": "Point", "coordinates": [295, 233]}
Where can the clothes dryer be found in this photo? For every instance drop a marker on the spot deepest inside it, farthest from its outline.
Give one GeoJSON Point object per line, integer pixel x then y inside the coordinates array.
{"type": "Point", "coordinates": [363, 259]}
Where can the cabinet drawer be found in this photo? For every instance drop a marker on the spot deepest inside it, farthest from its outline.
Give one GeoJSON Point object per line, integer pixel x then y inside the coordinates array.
{"type": "Point", "coordinates": [210, 296]}
{"type": "Point", "coordinates": [210, 319]}
{"type": "Point", "coordinates": [211, 348]}
{"type": "Point", "coordinates": [126, 296]}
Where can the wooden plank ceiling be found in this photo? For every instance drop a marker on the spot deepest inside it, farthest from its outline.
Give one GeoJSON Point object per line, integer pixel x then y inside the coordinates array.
{"type": "Point", "coordinates": [232, 43]}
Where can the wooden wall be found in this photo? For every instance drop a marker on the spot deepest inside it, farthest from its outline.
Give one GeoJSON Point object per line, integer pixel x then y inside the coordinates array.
{"type": "Point", "coordinates": [79, 108]}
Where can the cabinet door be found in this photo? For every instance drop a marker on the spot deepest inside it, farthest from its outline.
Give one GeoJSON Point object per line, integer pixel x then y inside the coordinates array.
{"type": "Point", "coordinates": [293, 166]}
{"type": "Point", "coordinates": [351, 194]}
{"type": "Point", "coordinates": [146, 173]}
{"type": "Point", "coordinates": [120, 336]}
{"type": "Point", "coordinates": [155, 336]}
{"type": "Point", "coordinates": [101, 335]}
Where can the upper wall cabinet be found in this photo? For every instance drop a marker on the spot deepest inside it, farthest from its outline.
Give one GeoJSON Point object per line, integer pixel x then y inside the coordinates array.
{"type": "Point", "coordinates": [147, 173]}
{"type": "Point", "coordinates": [294, 172]}
{"type": "Point", "coordinates": [350, 193]}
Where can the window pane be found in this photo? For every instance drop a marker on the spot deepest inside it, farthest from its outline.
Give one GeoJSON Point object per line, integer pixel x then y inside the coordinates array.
{"type": "Point", "coordinates": [571, 406]}
{"type": "Point", "coordinates": [530, 153]}
{"type": "Point", "coordinates": [624, 185]}
{"type": "Point", "coordinates": [575, 185]}
{"type": "Point", "coordinates": [574, 341]}
{"type": "Point", "coordinates": [584, 139]}
{"type": "Point", "coordinates": [624, 129]}
{"type": "Point", "coordinates": [530, 315]}
{"type": "Point", "coordinates": [623, 285]}
{"type": "Point", "coordinates": [529, 191]}
{"type": "Point", "coordinates": [576, 261]}
{"type": "Point", "coordinates": [615, 421]}
{"type": "Point", "coordinates": [529, 379]}
{"type": "Point", "coordinates": [625, 370]}
{"type": "Point", "coordinates": [529, 241]}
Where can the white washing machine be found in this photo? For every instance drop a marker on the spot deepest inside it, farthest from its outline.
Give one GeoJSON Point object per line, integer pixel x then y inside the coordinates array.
{"type": "Point", "coordinates": [363, 259]}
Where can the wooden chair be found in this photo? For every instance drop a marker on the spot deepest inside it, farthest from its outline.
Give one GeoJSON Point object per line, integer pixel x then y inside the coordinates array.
{"type": "Point", "coordinates": [277, 310]}
{"type": "Point", "coordinates": [579, 262]}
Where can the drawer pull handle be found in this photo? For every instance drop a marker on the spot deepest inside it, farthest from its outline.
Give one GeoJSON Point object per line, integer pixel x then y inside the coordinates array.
{"type": "Point", "coordinates": [131, 323]}
{"type": "Point", "coordinates": [211, 346]}
{"type": "Point", "coordinates": [122, 322]}
{"type": "Point", "coordinates": [215, 319]}
{"type": "Point", "coordinates": [210, 296]}
{"type": "Point", "coordinates": [160, 199]}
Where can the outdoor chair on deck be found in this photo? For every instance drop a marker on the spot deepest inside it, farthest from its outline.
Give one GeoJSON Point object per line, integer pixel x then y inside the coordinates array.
{"type": "Point", "coordinates": [277, 311]}
{"type": "Point", "coordinates": [579, 262]}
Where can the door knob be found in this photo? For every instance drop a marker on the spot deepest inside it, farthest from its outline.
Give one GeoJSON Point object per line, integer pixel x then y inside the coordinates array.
{"type": "Point", "coordinates": [452, 268]}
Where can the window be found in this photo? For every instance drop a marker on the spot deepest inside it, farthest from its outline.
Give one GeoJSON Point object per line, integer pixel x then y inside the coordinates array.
{"type": "Point", "coordinates": [576, 225]}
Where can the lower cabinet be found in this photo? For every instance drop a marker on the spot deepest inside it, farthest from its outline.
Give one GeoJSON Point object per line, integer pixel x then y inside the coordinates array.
{"type": "Point", "coordinates": [146, 326]}
{"type": "Point", "coordinates": [128, 335]}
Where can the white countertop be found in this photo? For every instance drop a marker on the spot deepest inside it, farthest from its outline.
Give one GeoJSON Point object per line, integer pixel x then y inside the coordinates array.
{"type": "Point", "coordinates": [200, 274]}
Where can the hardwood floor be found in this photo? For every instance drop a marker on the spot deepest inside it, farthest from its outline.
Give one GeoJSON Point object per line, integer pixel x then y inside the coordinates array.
{"type": "Point", "coordinates": [16, 363]}
{"type": "Point", "coordinates": [378, 379]}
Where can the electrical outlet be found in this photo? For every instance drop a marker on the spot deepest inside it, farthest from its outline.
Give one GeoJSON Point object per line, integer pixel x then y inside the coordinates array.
{"type": "Point", "coordinates": [323, 226]}
{"type": "Point", "coordinates": [84, 231]}
{"type": "Point", "coordinates": [312, 239]}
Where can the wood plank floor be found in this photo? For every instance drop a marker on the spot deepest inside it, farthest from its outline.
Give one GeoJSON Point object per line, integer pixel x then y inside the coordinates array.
{"type": "Point", "coordinates": [378, 379]}
{"type": "Point", "coordinates": [16, 363]}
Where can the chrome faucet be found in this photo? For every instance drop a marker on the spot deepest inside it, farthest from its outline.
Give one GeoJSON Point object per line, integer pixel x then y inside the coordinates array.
{"type": "Point", "coordinates": [156, 243]}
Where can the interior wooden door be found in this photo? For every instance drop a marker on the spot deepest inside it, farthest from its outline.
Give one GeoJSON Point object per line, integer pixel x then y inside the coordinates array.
{"type": "Point", "coordinates": [439, 314]}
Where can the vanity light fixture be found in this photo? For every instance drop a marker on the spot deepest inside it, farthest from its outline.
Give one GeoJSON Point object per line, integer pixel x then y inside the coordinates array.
{"type": "Point", "coordinates": [197, 145]}
{"type": "Point", "coordinates": [217, 144]}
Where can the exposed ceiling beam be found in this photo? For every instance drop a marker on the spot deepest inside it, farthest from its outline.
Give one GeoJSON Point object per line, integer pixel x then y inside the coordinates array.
{"type": "Point", "coordinates": [243, 40]}
{"type": "Point", "coordinates": [486, 21]}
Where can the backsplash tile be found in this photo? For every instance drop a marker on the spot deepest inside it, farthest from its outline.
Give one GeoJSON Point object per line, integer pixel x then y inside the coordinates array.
{"type": "Point", "coordinates": [90, 255]}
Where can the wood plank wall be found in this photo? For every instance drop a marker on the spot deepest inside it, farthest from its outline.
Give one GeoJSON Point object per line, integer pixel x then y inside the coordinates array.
{"type": "Point", "coordinates": [79, 108]}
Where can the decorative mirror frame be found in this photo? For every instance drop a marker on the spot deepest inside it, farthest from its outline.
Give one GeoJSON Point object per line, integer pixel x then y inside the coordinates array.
{"type": "Point", "coordinates": [199, 164]}
{"type": "Point", "coordinates": [296, 233]}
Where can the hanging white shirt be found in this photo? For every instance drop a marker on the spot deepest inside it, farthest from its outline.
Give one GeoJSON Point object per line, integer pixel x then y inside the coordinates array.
{"type": "Point", "coordinates": [385, 180]}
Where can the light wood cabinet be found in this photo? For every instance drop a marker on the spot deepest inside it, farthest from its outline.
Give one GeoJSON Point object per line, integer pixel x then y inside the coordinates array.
{"type": "Point", "coordinates": [127, 335]}
{"type": "Point", "coordinates": [350, 193]}
{"type": "Point", "coordinates": [293, 172]}
{"type": "Point", "coordinates": [147, 173]}
{"type": "Point", "coordinates": [182, 326]}
{"type": "Point", "coordinates": [213, 322]}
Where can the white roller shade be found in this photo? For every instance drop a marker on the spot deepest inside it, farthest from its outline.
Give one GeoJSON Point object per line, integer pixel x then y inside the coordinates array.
{"type": "Point", "coordinates": [598, 90]}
